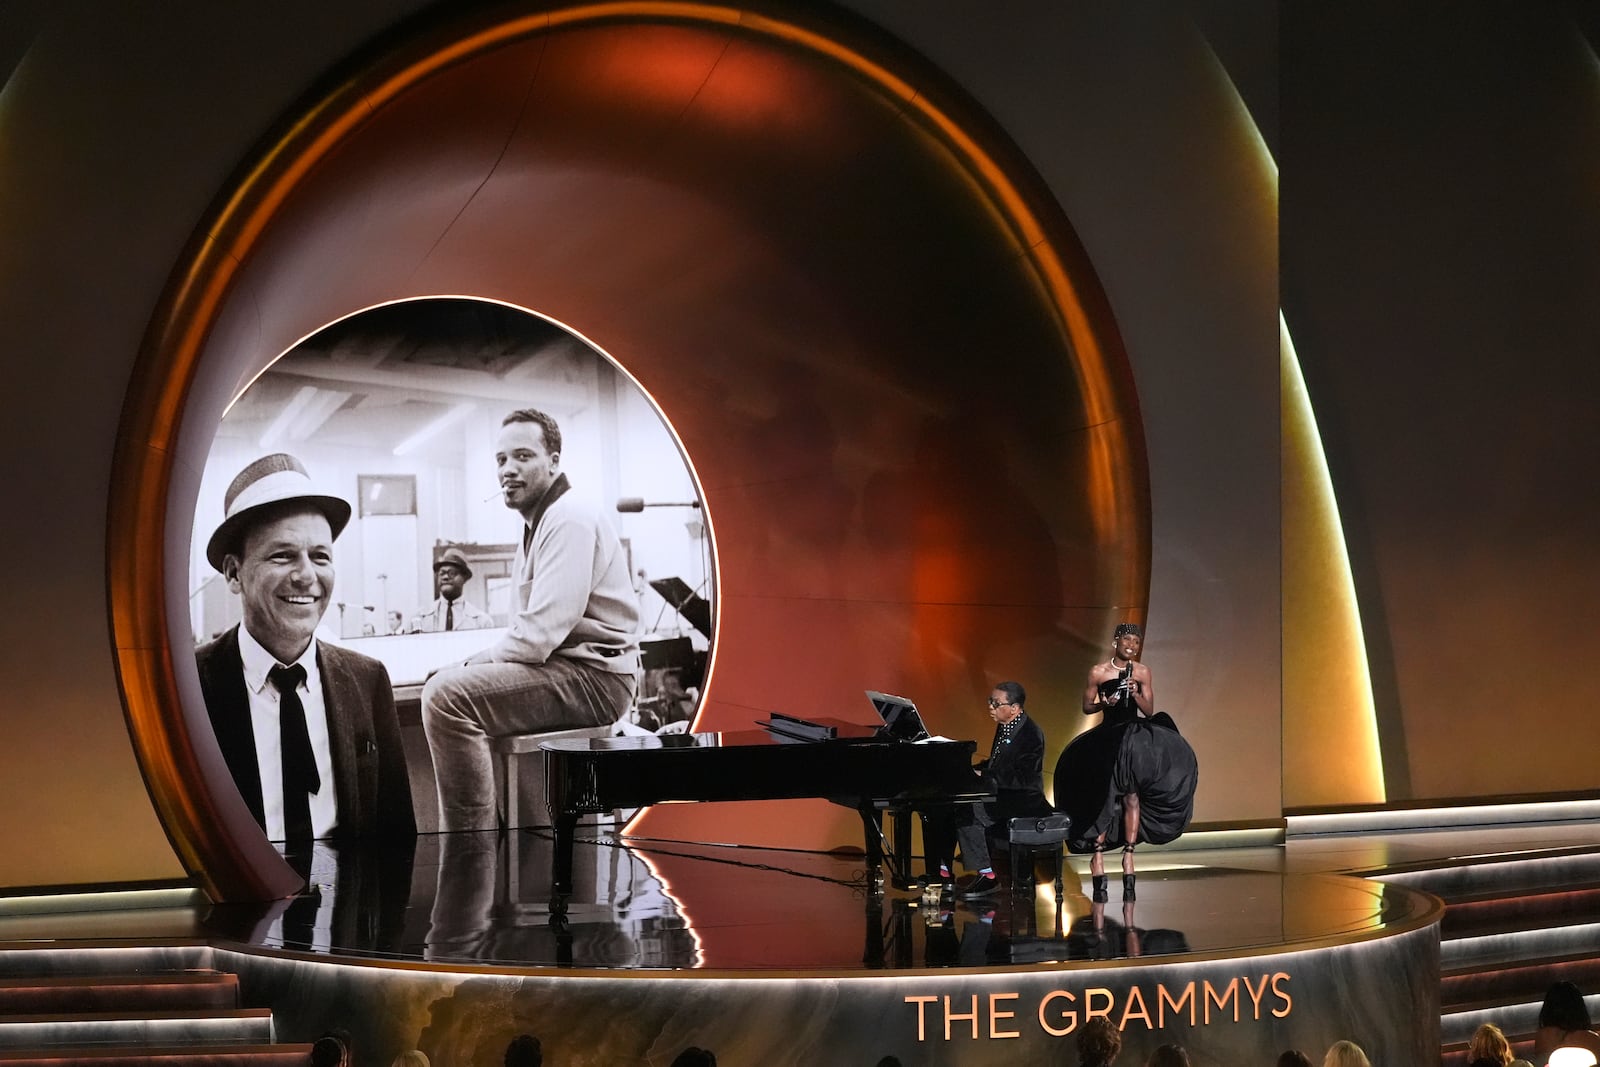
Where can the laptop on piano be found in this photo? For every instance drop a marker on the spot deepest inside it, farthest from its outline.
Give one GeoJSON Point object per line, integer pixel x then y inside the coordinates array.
{"type": "Point", "coordinates": [901, 720]}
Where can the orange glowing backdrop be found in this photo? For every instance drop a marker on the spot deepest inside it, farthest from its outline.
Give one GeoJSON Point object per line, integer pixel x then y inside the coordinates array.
{"type": "Point", "coordinates": [874, 331]}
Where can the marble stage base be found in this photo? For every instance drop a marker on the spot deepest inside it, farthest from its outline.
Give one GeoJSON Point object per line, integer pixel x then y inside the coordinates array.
{"type": "Point", "coordinates": [774, 958]}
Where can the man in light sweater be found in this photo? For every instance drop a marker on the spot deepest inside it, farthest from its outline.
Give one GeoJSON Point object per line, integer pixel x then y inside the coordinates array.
{"type": "Point", "coordinates": [571, 654]}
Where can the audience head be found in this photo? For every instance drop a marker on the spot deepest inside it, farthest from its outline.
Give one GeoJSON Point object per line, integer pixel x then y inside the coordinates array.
{"type": "Point", "coordinates": [330, 1050]}
{"type": "Point", "coordinates": [1490, 1046]}
{"type": "Point", "coordinates": [890, 1061]}
{"type": "Point", "coordinates": [1294, 1058]}
{"type": "Point", "coordinates": [1345, 1054]}
{"type": "Point", "coordinates": [694, 1056]}
{"type": "Point", "coordinates": [1564, 1008]}
{"type": "Point", "coordinates": [411, 1058]}
{"type": "Point", "coordinates": [1099, 1041]}
{"type": "Point", "coordinates": [1169, 1056]}
{"type": "Point", "coordinates": [524, 1051]}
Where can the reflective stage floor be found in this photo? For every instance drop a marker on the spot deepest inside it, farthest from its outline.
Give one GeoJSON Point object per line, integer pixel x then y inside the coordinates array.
{"type": "Point", "coordinates": [1235, 952]}
{"type": "Point", "coordinates": [484, 898]}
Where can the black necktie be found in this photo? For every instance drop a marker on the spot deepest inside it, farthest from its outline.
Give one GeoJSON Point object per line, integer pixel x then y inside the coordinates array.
{"type": "Point", "coordinates": [300, 778]}
{"type": "Point", "coordinates": [449, 614]}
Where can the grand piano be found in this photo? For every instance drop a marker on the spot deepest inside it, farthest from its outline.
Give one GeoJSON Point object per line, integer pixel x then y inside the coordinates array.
{"type": "Point", "coordinates": [860, 767]}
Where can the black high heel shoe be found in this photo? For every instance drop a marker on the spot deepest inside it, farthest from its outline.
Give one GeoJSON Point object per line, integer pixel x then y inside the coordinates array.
{"type": "Point", "coordinates": [1100, 894]}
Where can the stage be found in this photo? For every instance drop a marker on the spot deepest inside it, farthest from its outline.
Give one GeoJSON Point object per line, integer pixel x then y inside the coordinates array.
{"type": "Point", "coordinates": [782, 957]}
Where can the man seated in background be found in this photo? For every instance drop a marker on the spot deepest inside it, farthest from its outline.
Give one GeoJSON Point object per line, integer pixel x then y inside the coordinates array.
{"type": "Point", "coordinates": [451, 610]}
{"type": "Point", "coordinates": [307, 729]}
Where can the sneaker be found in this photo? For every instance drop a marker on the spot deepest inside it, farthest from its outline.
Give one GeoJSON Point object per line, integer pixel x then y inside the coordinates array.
{"type": "Point", "coordinates": [981, 886]}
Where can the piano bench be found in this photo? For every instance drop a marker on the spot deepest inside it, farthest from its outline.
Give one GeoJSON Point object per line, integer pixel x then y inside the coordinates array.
{"type": "Point", "coordinates": [513, 783]}
{"type": "Point", "coordinates": [1030, 834]}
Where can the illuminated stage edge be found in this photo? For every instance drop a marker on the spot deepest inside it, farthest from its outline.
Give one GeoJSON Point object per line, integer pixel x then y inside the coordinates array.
{"type": "Point", "coordinates": [1235, 965]}
{"type": "Point", "coordinates": [1240, 1010]}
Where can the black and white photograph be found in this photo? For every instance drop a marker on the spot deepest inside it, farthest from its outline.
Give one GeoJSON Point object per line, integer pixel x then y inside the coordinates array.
{"type": "Point", "coordinates": [471, 527]}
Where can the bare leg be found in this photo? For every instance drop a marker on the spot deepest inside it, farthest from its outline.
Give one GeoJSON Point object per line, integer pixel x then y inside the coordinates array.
{"type": "Point", "coordinates": [1097, 871]}
{"type": "Point", "coordinates": [1130, 832]}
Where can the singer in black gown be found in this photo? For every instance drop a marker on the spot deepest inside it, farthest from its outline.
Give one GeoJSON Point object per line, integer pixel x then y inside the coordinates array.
{"type": "Point", "coordinates": [1131, 778]}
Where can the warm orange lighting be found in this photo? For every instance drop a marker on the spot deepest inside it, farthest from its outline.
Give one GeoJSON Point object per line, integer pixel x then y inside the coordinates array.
{"type": "Point", "coordinates": [971, 155]}
{"type": "Point", "coordinates": [1327, 690]}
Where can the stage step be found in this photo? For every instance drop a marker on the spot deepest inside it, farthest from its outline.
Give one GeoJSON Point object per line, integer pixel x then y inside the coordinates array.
{"type": "Point", "coordinates": [175, 1056]}
{"type": "Point", "coordinates": [1502, 873]}
{"type": "Point", "coordinates": [178, 991]}
{"type": "Point", "coordinates": [1524, 980]}
{"type": "Point", "coordinates": [1513, 1015]}
{"type": "Point", "coordinates": [111, 1007]}
{"type": "Point", "coordinates": [247, 1026]}
{"type": "Point", "coordinates": [33, 960]}
{"type": "Point", "coordinates": [1513, 924]}
{"type": "Point", "coordinates": [1511, 909]}
{"type": "Point", "coordinates": [1488, 948]}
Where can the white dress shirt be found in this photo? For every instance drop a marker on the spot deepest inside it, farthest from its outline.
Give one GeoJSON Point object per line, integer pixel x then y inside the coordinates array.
{"type": "Point", "coordinates": [258, 664]}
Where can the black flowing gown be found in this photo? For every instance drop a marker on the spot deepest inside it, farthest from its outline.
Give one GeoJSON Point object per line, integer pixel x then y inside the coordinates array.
{"type": "Point", "coordinates": [1125, 754]}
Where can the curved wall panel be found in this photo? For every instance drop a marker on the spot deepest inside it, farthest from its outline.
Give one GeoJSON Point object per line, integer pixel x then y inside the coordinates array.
{"type": "Point", "coordinates": [876, 335]}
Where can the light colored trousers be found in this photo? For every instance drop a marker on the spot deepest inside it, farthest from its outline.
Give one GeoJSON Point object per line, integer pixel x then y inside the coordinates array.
{"type": "Point", "coordinates": [464, 708]}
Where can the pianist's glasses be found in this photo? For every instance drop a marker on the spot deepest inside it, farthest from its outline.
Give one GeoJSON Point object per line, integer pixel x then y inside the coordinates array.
{"type": "Point", "coordinates": [997, 704]}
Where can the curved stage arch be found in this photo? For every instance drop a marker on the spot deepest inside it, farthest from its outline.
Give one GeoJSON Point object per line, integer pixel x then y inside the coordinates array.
{"type": "Point", "coordinates": [878, 337]}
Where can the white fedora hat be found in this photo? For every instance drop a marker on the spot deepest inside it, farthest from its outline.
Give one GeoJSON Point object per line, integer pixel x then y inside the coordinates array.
{"type": "Point", "coordinates": [269, 480]}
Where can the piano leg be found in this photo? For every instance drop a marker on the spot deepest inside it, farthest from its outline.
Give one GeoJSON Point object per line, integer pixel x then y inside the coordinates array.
{"type": "Point", "coordinates": [894, 850]}
{"type": "Point", "coordinates": [900, 848]}
{"type": "Point", "coordinates": [872, 829]}
{"type": "Point", "coordinates": [561, 864]}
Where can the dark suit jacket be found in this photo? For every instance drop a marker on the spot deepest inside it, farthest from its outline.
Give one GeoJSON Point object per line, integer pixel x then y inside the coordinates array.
{"type": "Point", "coordinates": [373, 791]}
{"type": "Point", "coordinates": [1016, 771]}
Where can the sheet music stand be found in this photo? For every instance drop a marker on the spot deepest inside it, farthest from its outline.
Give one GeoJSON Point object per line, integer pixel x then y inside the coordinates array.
{"type": "Point", "coordinates": [695, 608]}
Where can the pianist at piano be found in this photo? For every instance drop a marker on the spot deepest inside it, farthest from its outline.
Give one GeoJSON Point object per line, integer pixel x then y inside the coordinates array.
{"type": "Point", "coordinates": [1015, 771]}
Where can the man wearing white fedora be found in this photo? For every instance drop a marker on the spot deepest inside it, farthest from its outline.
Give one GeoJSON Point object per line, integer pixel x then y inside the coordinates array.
{"type": "Point", "coordinates": [308, 729]}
